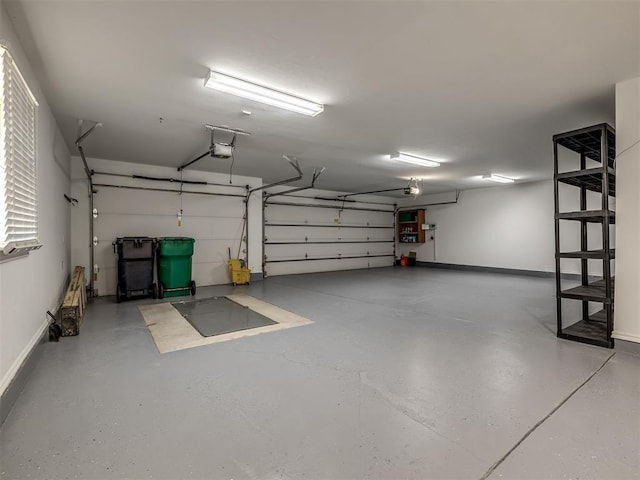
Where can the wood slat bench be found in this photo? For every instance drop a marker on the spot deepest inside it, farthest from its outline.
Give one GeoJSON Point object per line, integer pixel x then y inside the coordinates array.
{"type": "Point", "coordinates": [74, 304]}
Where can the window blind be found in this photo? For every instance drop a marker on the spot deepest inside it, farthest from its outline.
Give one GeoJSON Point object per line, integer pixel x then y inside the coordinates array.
{"type": "Point", "coordinates": [18, 164]}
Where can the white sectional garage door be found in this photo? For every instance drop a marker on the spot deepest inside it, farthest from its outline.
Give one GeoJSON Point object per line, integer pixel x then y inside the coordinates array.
{"type": "Point", "coordinates": [214, 221]}
{"type": "Point", "coordinates": [306, 235]}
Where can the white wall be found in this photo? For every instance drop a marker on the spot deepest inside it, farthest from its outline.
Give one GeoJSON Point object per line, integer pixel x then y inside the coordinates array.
{"type": "Point", "coordinates": [29, 286]}
{"type": "Point", "coordinates": [627, 298]}
{"type": "Point", "coordinates": [214, 221]}
{"type": "Point", "coordinates": [508, 226]}
{"type": "Point", "coordinates": [336, 222]}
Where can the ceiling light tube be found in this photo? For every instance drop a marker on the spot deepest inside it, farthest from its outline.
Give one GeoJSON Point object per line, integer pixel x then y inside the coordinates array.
{"type": "Point", "coordinates": [413, 160]}
{"type": "Point", "coordinates": [252, 91]}
{"type": "Point", "coordinates": [498, 178]}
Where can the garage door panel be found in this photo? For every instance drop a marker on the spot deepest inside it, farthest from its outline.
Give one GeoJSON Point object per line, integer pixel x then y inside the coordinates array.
{"type": "Point", "coordinates": [207, 250]}
{"type": "Point", "coordinates": [106, 280]}
{"type": "Point", "coordinates": [123, 201]}
{"type": "Point", "coordinates": [311, 234]}
{"type": "Point", "coordinates": [302, 215]}
{"type": "Point", "coordinates": [292, 268]}
{"type": "Point", "coordinates": [211, 273]}
{"type": "Point", "coordinates": [111, 226]}
{"type": "Point", "coordinates": [315, 251]}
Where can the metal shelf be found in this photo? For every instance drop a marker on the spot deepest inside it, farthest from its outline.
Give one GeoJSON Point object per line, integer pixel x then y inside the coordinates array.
{"type": "Point", "coordinates": [590, 178]}
{"type": "Point", "coordinates": [588, 141]}
{"type": "Point", "coordinates": [596, 143]}
{"type": "Point", "coordinates": [593, 292]}
{"type": "Point", "coordinates": [592, 331]}
{"type": "Point", "coordinates": [590, 293]}
{"type": "Point", "coordinates": [591, 216]}
{"type": "Point", "coordinates": [589, 254]}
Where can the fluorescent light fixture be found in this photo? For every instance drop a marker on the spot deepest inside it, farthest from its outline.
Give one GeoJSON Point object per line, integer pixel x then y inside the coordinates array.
{"type": "Point", "coordinates": [413, 160]}
{"type": "Point", "coordinates": [498, 178]}
{"type": "Point", "coordinates": [252, 91]}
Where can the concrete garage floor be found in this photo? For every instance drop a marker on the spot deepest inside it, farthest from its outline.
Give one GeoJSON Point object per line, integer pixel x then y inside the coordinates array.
{"type": "Point", "coordinates": [406, 373]}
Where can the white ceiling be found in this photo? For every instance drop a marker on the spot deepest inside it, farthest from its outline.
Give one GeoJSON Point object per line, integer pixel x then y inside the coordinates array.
{"type": "Point", "coordinates": [481, 85]}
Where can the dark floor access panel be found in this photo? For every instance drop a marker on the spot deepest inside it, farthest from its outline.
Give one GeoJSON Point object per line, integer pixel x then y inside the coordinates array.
{"type": "Point", "coordinates": [218, 315]}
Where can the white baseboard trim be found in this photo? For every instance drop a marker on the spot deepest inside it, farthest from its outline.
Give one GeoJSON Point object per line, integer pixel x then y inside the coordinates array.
{"type": "Point", "coordinates": [15, 367]}
{"type": "Point", "coordinates": [629, 337]}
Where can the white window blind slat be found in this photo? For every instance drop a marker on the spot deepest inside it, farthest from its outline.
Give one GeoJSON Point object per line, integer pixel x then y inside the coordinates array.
{"type": "Point", "coordinates": [22, 177]}
{"type": "Point", "coordinates": [18, 167]}
{"type": "Point", "coordinates": [14, 120]}
{"type": "Point", "coordinates": [24, 215]}
{"type": "Point", "coordinates": [21, 229]}
{"type": "Point", "coordinates": [20, 133]}
{"type": "Point", "coordinates": [17, 116]}
{"type": "Point", "coordinates": [19, 197]}
{"type": "Point", "coordinates": [18, 218]}
{"type": "Point", "coordinates": [20, 104]}
{"type": "Point", "coordinates": [23, 170]}
{"type": "Point", "coordinates": [20, 164]}
{"type": "Point", "coordinates": [22, 205]}
{"type": "Point", "coordinates": [21, 185]}
{"type": "Point", "coordinates": [19, 200]}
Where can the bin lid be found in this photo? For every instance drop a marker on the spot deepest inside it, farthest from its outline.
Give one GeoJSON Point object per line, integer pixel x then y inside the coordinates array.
{"type": "Point", "coordinates": [176, 239]}
{"type": "Point", "coordinates": [134, 239]}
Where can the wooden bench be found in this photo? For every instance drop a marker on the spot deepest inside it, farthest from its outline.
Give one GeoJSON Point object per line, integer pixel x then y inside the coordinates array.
{"type": "Point", "coordinates": [74, 304]}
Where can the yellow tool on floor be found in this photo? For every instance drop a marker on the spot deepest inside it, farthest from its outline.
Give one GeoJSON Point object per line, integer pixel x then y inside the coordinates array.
{"type": "Point", "coordinates": [240, 275]}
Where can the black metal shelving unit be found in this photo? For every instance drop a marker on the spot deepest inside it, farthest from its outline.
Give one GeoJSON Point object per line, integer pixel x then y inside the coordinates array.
{"type": "Point", "coordinates": [596, 143]}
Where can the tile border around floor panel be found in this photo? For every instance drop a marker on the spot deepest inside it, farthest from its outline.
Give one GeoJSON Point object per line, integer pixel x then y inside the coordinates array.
{"type": "Point", "coordinates": [172, 332]}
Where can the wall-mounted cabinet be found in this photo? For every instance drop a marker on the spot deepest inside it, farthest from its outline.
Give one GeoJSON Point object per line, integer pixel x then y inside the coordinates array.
{"type": "Point", "coordinates": [410, 226]}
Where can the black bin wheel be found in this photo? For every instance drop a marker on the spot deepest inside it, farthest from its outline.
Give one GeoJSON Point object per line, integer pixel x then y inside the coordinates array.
{"type": "Point", "coordinates": [192, 287]}
{"type": "Point", "coordinates": [154, 290]}
{"type": "Point", "coordinates": [118, 297]}
{"type": "Point", "coordinates": [160, 290]}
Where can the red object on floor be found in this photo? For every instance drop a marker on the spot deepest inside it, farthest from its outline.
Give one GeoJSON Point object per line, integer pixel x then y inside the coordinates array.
{"type": "Point", "coordinates": [404, 261]}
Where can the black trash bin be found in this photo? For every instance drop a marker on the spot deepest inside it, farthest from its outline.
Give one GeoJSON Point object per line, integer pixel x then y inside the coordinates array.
{"type": "Point", "coordinates": [136, 257]}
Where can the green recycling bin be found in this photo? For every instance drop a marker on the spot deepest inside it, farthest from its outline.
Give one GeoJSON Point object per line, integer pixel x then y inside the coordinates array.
{"type": "Point", "coordinates": [174, 267]}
